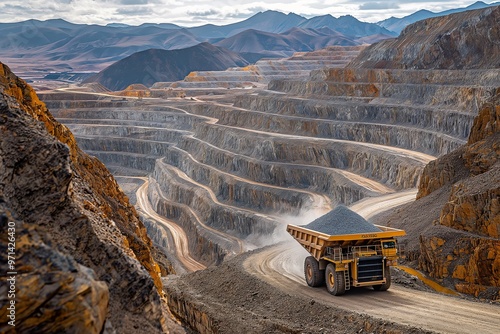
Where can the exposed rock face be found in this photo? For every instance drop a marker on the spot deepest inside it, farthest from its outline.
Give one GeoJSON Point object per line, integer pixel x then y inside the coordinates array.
{"type": "Point", "coordinates": [73, 299]}
{"type": "Point", "coordinates": [474, 204]}
{"type": "Point", "coordinates": [463, 40]}
{"type": "Point", "coordinates": [135, 90]}
{"type": "Point", "coordinates": [51, 187]}
{"type": "Point", "coordinates": [470, 260]}
{"type": "Point", "coordinates": [468, 263]}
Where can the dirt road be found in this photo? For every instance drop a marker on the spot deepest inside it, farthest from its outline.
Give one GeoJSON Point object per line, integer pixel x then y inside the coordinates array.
{"type": "Point", "coordinates": [281, 266]}
{"type": "Point", "coordinates": [178, 234]}
{"type": "Point", "coordinates": [372, 206]}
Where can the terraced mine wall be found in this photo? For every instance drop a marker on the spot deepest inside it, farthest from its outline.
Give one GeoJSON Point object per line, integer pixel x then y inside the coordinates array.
{"type": "Point", "coordinates": [138, 164]}
{"type": "Point", "coordinates": [230, 189]}
{"type": "Point", "coordinates": [228, 217]}
{"type": "Point", "coordinates": [308, 124]}
{"type": "Point", "coordinates": [207, 249]}
{"type": "Point", "coordinates": [442, 120]}
{"type": "Point", "coordinates": [91, 103]}
{"type": "Point", "coordinates": [259, 74]}
{"type": "Point", "coordinates": [278, 175]}
{"type": "Point", "coordinates": [365, 160]}
{"type": "Point", "coordinates": [234, 164]}
{"type": "Point", "coordinates": [465, 92]}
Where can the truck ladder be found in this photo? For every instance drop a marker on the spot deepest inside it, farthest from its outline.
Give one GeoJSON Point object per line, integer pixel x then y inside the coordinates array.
{"type": "Point", "coordinates": [347, 278]}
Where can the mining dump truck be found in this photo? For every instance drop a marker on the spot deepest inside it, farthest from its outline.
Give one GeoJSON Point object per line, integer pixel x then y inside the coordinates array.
{"type": "Point", "coordinates": [347, 251]}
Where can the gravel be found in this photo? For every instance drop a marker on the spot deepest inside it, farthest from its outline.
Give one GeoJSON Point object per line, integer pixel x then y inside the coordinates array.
{"type": "Point", "coordinates": [234, 299]}
{"type": "Point", "coordinates": [341, 220]}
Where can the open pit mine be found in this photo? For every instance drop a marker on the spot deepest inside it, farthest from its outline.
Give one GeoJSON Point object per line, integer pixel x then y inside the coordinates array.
{"type": "Point", "coordinates": [219, 163]}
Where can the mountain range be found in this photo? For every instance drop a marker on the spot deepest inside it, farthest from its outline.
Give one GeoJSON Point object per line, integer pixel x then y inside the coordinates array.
{"type": "Point", "coordinates": [398, 24]}
{"type": "Point", "coordinates": [284, 44]}
{"type": "Point", "coordinates": [64, 46]}
{"type": "Point", "coordinates": [61, 46]}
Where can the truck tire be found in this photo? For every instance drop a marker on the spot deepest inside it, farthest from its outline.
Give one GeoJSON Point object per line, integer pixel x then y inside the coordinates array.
{"type": "Point", "coordinates": [387, 285]}
{"type": "Point", "coordinates": [314, 276]}
{"type": "Point", "coordinates": [335, 280]}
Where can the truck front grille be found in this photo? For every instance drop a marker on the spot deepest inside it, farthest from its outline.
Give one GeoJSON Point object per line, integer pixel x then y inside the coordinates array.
{"type": "Point", "coordinates": [370, 269]}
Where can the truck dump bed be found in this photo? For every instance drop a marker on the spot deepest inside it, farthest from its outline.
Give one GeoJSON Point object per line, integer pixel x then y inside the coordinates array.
{"type": "Point", "coordinates": [316, 242]}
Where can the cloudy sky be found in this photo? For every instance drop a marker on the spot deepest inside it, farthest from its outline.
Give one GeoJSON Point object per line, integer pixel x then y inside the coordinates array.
{"type": "Point", "coordinates": [219, 12]}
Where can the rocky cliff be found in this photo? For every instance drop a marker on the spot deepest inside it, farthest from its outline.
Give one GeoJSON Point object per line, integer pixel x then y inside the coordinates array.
{"type": "Point", "coordinates": [467, 253]}
{"type": "Point", "coordinates": [463, 40]}
{"type": "Point", "coordinates": [83, 258]}
{"type": "Point", "coordinates": [456, 238]}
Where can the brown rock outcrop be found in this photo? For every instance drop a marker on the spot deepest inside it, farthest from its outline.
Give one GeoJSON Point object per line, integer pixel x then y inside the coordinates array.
{"type": "Point", "coordinates": [470, 264]}
{"type": "Point", "coordinates": [448, 169]}
{"type": "Point", "coordinates": [458, 41]}
{"type": "Point", "coordinates": [47, 182]}
{"type": "Point", "coordinates": [135, 90]}
{"type": "Point", "coordinates": [469, 257]}
{"type": "Point", "coordinates": [474, 204]}
{"type": "Point", "coordinates": [72, 299]}
{"type": "Point", "coordinates": [487, 123]}
{"type": "Point", "coordinates": [474, 172]}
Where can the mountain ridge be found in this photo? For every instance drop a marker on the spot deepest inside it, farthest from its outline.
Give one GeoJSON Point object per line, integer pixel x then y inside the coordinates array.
{"type": "Point", "coordinates": [439, 43]}
{"type": "Point", "coordinates": [290, 41]}
{"type": "Point", "coordinates": [398, 24]}
{"type": "Point", "coordinates": [268, 21]}
{"type": "Point", "coordinates": [67, 47]}
{"type": "Point", "coordinates": [153, 65]}
{"type": "Point", "coordinates": [346, 23]}
{"type": "Point", "coordinates": [64, 46]}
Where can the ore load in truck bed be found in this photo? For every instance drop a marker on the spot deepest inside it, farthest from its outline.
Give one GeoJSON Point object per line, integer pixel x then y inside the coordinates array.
{"type": "Point", "coordinates": [341, 220]}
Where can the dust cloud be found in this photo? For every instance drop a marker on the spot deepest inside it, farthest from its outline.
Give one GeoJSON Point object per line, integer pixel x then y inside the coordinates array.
{"type": "Point", "coordinates": [290, 262]}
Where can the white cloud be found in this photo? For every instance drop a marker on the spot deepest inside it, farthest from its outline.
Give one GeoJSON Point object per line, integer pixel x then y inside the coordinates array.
{"type": "Point", "coordinates": [197, 12]}
{"type": "Point", "coordinates": [378, 5]}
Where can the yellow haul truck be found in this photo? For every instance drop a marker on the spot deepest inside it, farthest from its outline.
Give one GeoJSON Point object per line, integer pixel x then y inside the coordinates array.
{"type": "Point", "coordinates": [349, 260]}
